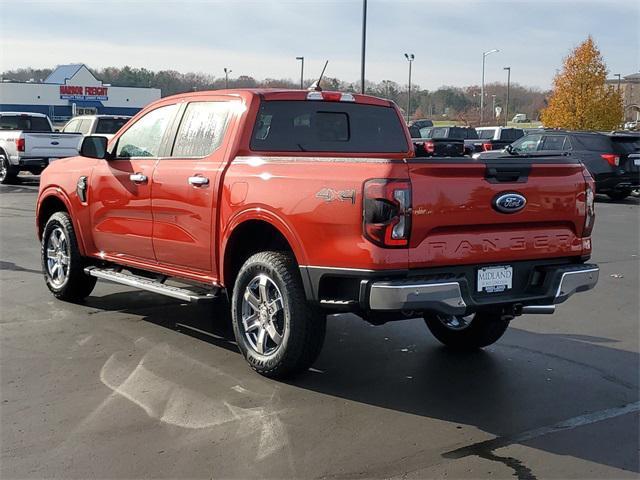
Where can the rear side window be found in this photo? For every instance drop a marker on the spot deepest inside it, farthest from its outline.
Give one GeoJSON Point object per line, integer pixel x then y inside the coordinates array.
{"type": "Point", "coordinates": [202, 129]}
{"type": "Point", "coordinates": [25, 123]}
{"type": "Point", "coordinates": [318, 126]}
{"type": "Point", "coordinates": [626, 145]}
{"type": "Point", "coordinates": [554, 142]}
{"type": "Point", "coordinates": [110, 125]}
{"type": "Point", "coordinates": [487, 133]}
{"type": "Point", "coordinates": [595, 142]}
{"type": "Point", "coordinates": [511, 134]}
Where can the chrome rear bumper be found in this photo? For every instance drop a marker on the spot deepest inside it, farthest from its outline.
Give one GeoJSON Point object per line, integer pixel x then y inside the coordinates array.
{"type": "Point", "coordinates": [451, 297]}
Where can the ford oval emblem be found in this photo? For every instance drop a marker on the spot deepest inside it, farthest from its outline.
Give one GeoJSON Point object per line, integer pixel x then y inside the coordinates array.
{"type": "Point", "coordinates": [509, 202]}
{"type": "Point", "coordinates": [55, 143]}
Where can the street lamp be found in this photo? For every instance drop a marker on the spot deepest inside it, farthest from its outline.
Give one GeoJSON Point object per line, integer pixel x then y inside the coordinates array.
{"type": "Point", "coordinates": [227, 71]}
{"type": "Point", "coordinates": [506, 108]}
{"type": "Point", "coordinates": [484, 56]}
{"type": "Point", "coordinates": [301, 72]}
{"type": "Point", "coordinates": [618, 75]}
{"type": "Point", "coordinates": [410, 57]}
{"type": "Point", "coordinates": [364, 43]}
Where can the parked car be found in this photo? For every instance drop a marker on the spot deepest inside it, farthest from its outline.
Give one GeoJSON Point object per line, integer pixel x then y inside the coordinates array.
{"type": "Point", "coordinates": [439, 141]}
{"type": "Point", "coordinates": [420, 123]}
{"type": "Point", "coordinates": [520, 118]}
{"type": "Point", "coordinates": [105, 125]}
{"type": "Point", "coordinates": [495, 138]}
{"type": "Point", "coordinates": [28, 142]}
{"type": "Point", "coordinates": [606, 156]}
{"type": "Point", "coordinates": [295, 205]}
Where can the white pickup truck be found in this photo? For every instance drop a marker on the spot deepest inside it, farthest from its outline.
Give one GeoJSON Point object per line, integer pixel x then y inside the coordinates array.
{"type": "Point", "coordinates": [103, 125]}
{"type": "Point", "coordinates": [28, 142]}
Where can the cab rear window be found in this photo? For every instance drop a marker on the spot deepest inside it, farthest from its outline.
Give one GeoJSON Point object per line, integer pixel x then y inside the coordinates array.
{"type": "Point", "coordinates": [319, 126]}
{"type": "Point", "coordinates": [25, 123]}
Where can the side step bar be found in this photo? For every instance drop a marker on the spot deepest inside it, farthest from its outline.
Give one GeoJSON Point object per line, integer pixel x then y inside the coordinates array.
{"type": "Point", "coordinates": [195, 295]}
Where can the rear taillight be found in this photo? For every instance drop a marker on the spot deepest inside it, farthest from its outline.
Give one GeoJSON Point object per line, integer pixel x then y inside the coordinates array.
{"type": "Point", "coordinates": [20, 144]}
{"type": "Point", "coordinates": [387, 212]}
{"type": "Point", "coordinates": [589, 201]}
{"type": "Point", "coordinates": [430, 147]}
{"type": "Point", "coordinates": [486, 146]}
{"type": "Point", "coordinates": [612, 159]}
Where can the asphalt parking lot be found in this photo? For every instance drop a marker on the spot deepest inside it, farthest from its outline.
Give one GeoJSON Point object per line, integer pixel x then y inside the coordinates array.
{"type": "Point", "coordinates": [134, 385]}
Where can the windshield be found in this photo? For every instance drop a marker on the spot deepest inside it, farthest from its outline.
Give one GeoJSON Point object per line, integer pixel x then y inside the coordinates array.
{"type": "Point", "coordinates": [26, 123]}
{"type": "Point", "coordinates": [487, 133]}
{"type": "Point", "coordinates": [318, 126]}
{"type": "Point", "coordinates": [110, 125]}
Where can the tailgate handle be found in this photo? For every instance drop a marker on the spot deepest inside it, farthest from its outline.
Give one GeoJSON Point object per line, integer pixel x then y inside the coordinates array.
{"type": "Point", "coordinates": [507, 173]}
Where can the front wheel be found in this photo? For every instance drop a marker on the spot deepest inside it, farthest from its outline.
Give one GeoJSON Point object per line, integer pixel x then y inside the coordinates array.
{"type": "Point", "coordinates": [62, 264]}
{"type": "Point", "coordinates": [277, 330]}
{"type": "Point", "coordinates": [467, 332]}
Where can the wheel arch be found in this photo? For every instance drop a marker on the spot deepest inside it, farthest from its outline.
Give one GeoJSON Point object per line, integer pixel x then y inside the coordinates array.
{"type": "Point", "coordinates": [250, 233]}
{"type": "Point", "coordinates": [53, 200]}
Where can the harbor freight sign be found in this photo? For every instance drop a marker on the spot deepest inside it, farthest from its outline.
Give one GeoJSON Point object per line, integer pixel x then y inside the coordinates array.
{"type": "Point", "coordinates": [73, 92]}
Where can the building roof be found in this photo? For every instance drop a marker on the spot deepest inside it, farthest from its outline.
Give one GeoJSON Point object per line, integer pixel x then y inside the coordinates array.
{"type": "Point", "coordinates": [62, 73]}
{"type": "Point", "coordinates": [633, 76]}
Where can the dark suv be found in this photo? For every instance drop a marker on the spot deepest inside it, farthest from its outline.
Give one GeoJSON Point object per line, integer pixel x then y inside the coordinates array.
{"type": "Point", "coordinates": [611, 158]}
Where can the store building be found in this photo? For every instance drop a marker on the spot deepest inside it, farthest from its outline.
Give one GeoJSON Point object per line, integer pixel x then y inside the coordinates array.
{"type": "Point", "coordinates": [73, 90]}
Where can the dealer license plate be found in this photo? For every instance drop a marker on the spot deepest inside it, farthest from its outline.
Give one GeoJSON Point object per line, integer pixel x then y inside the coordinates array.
{"type": "Point", "coordinates": [495, 279]}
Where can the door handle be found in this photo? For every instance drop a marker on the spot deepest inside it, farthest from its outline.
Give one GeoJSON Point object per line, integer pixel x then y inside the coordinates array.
{"type": "Point", "coordinates": [198, 180]}
{"type": "Point", "coordinates": [138, 178]}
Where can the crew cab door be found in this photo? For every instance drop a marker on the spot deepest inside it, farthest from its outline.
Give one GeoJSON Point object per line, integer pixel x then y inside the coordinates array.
{"type": "Point", "coordinates": [120, 188]}
{"type": "Point", "coordinates": [186, 186]}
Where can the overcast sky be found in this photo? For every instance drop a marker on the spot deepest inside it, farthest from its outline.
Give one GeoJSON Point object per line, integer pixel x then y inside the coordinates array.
{"type": "Point", "coordinates": [262, 38]}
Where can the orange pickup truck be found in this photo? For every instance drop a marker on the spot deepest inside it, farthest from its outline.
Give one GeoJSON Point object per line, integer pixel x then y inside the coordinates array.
{"type": "Point", "coordinates": [294, 204]}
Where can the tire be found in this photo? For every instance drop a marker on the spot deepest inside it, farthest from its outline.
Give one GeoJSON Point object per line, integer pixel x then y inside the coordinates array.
{"type": "Point", "coordinates": [59, 247]}
{"type": "Point", "coordinates": [619, 194]}
{"type": "Point", "coordinates": [277, 330]}
{"type": "Point", "coordinates": [469, 332]}
{"type": "Point", "coordinates": [7, 173]}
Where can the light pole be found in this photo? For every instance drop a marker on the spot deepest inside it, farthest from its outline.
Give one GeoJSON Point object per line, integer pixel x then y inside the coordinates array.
{"type": "Point", "coordinates": [227, 71]}
{"type": "Point", "coordinates": [506, 107]}
{"type": "Point", "coordinates": [409, 57]}
{"type": "Point", "coordinates": [618, 75]}
{"type": "Point", "coordinates": [364, 43]}
{"type": "Point", "coordinates": [493, 105]}
{"type": "Point", "coordinates": [484, 56]}
{"type": "Point", "coordinates": [301, 72]}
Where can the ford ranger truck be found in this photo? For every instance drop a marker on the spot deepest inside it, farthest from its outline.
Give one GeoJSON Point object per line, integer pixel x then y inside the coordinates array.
{"type": "Point", "coordinates": [296, 204]}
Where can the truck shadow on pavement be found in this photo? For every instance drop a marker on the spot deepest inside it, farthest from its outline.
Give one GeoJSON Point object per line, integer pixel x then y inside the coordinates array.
{"type": "Point", "coordinates": [525, 382]}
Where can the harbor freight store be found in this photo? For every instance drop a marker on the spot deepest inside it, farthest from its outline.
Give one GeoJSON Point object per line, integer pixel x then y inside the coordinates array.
{"type": "Point", "coordinates": [72, 90]}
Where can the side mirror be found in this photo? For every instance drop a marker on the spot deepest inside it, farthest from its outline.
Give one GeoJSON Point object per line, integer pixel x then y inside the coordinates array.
{"type": "Point", "coordinates": [94, 147]}
{"type": "Point", "coordinates": [508, 149]}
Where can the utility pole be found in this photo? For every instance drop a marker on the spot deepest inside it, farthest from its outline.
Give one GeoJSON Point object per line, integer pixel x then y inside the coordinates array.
{"type": "Point", "coordinates": [484, 56]}
{"type": "Point", "coordinates": [301, 72]}
{"type": "Point", "coordinates": [506, 107]}
{"type": "Point", "coordinates": [364, 43]}
{"type": "Point", "coordinates": [227, 71]}
{"type": "Point", "coordinates": [619, 76]}
{"type": "Point", "coordinates": [409, 57]}
{"type": "Point", "coordinates": [493, 106]}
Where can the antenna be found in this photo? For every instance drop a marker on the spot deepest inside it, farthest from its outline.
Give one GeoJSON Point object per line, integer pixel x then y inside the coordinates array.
{"type": "Point", "coordinates": [316, 85]}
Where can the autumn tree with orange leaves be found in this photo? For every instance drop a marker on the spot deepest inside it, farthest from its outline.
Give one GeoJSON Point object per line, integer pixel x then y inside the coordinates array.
{"type": "Point", "coordinates": [581, 100]}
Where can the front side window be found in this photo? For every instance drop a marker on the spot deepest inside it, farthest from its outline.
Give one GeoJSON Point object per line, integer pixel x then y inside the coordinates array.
{"type": "Point", "coordinates": [144, 137]}
{"type": "Point", "coordinates": [202, 129]}
{"type": "Point", "coordinates": [72, 126]}
{"type": "Point", "coordinates": [85, 126]}
{"type": "Point", "coordinates": [526, 144]}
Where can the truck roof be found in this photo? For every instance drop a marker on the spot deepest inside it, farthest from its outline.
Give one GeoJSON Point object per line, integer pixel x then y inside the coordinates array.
{"type": "Point", "coordinates": [283, 94]}
{"type": "Point", "coordinates": [26, 114]}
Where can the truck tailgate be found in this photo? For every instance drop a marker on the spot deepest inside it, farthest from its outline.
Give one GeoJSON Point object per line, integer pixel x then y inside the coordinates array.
{"type": "Point", "coordinates": [455, 220]}
{"type": "Point", "coordinates": [51, 145]}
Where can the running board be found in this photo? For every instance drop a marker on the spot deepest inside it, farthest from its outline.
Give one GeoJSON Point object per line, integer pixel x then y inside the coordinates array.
{"type": "Point", "coordinates": [197, 295]}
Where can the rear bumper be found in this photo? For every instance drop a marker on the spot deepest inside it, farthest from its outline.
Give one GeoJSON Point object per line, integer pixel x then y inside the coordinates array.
{"type": "Point", "coordinates": [609, 182]}
{"type": "Point", "coordinates": [452, 291]}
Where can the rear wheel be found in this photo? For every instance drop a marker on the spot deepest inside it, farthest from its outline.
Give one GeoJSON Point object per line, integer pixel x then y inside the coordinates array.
{"type": "Point", "coordinates": [7, 173]}
{"type": "Point", "coordinates": [62, 264]}
{"type": "Point", "coordinates": [277, 330]}
{"type": "Point", "coordinates": [467, 332]}
{"type": "Point", "coordinates": [619, 194]}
